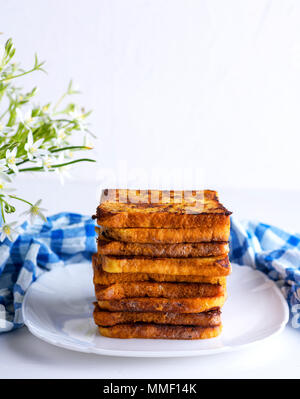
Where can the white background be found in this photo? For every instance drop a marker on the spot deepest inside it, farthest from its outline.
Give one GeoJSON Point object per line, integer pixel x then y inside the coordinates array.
{"type": "Point", "coordinates": [211, 85]}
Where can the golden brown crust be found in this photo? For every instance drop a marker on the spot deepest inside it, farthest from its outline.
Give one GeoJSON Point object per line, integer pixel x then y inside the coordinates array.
{"type": "Point", "coordinates": [178, 250]}
{"type": "Point", "coordinates": [215, 230]}
{"type": "Point", "coordinates": [210, 318]}
{"type": "Point", "coordinates": [163, 209]}
{"type": "Point", "coordinates": [162, 263]}
{"type": "Point", "coordinates": [157, 290]}
{"type": "Point", "coordinates": [156, 331]}
{"type": "Point", "coordinates": [178, 305]}
{"type": "Point", "coordinates": [211, 266]}
{"type": "Point", "coordinates": [104, 278]}
{"type": "Point", "coordinates": [204, 222]}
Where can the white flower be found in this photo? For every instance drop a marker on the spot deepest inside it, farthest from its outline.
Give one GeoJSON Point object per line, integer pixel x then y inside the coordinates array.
{"type": "Point", "coordinates": [76, 114]}
{"type": "Point", "coordinates": [47, 162]}
{"type": "Point", "coordinates": [46, 114]}
{"type": "Point", "coordinates": [8, 230]}
{"type": "Point", "coordinates": [26, 119]}
{"type": "Point", "coordinates": [69, 154]}
{"type": "Point", "coordinates": [36, 211]}
{"type": "Point", "coordinates": [32, 148]}
{"type": "Point", "coordinates": [4, 181]}
{"type": "Point", "coordinates": [60, 137]}
{"type": "Point", "coordinates": [11, 159]}
{"type": "Point", "coordinates": [79, 117]}
{"type": "Point", "coordinates": [5, 130]}
{"type": "Point", "coordinates": [5, 177]}
{"type": "Point", "coordinates": [87, 142]}
{"type": "Point", "coordinates": [63, 171]}
{"type": "Point", "coordinates": [3, 166]}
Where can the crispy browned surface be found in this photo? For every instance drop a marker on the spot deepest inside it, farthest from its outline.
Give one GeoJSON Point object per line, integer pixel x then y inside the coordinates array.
{"type": "Point", "coordinates": [178, 305]}
{"type": "Point", "coordinates": [166, 209]}
{"type": "Point", "coordinates": [211, 318]}
{"type": "Point", "coordinates": [211, 232]}
{"type": "Point", "coordinates": [211, 266]}
{"type": "Point", "coordinates": [179, 250]}
{"type": "Point", "coordinates": [102, 277]}
{"type": "Point", "coordinates": [157, 290]}
{"type": "Point", "coordinates": [157, 331]}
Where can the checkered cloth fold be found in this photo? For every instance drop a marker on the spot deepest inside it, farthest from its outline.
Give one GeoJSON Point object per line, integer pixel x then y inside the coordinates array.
{"type": "Point", "coordinates": [69, 237]}
{"type": "Point", "coordinates": [65, 238]}
{"type": "Point", "coordinates": [274, 252]}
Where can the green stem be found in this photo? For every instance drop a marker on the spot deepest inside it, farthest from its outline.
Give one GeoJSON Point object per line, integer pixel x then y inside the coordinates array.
{"type": "Point", "coordinates": [74, 147]}
{"type": "Point", "coordinates": [4, 113]}
{"type": "Point", "coordinates": [19, 75]}
{"type": "Point", "coordinates": [20, 199]}
{"type": "Point", "coordinates": [21, 163]}
{"type": "Point", "coordinates": [64, 120]}
{"type": "Point", "coordinates": [38, 168]}
{"type": "Point", "coordinates": [59, 101]}
{"type": "Point", "coordinates": [2, 211]}
{"type": "Point", "coordinates": [75, 161]}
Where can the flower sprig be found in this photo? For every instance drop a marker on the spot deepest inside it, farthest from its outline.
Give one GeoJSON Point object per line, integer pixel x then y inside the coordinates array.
{"type": "Point", "coordinates": [33, 138]}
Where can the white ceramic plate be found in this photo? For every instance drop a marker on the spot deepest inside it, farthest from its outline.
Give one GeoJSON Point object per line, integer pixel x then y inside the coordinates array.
{"type": "Point", "coordinates": [58, 309]}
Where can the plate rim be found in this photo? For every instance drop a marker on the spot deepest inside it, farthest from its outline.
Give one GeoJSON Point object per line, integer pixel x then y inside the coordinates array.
{"type": "Point", "coordinates": [156, 354]}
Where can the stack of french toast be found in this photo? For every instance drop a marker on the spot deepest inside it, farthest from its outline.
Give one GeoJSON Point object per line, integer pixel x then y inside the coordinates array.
{"type": "Point", "coordinates": [161, 264]}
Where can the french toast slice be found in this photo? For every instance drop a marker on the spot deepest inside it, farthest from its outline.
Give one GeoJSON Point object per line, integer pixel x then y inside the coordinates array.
{"type": "Point", "coordinates": [159, 331]}
{"type": "Point", "coordinates": [161, 209]}
{"type": "Point", "coordinates": [210, 266]}
{"type": "Point", "coordinates": [157, 290]}
{"type": "Point", "coordinates": [107, 246]}
{"type": "Point", "coordinates": [174, 305]}
{"type": "Point", "coordinates": [210, 318]}
{"type": "Point", "coordinates": [169, 235]}
{"type": "Point", "coordinates": [104, 278]}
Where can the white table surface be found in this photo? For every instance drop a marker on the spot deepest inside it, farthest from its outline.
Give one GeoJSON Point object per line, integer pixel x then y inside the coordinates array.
{"type": "Point", "coordinates": [25, 356]}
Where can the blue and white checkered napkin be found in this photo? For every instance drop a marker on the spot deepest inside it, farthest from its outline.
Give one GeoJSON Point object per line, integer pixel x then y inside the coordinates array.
{"type": "Point", "coordinates": [272, 251]}
{"type": "Point", "coordinates": [67, 238]}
